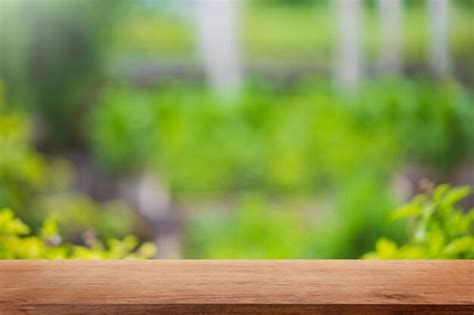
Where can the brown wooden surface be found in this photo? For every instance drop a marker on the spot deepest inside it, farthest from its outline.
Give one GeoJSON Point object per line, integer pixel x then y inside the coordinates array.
{"type": "Point", "coordinates": [193, 286]}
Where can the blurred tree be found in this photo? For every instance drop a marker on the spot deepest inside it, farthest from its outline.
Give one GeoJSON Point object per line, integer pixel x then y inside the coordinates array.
{"type": "Point", "coordinates": [439, 31]}
{"type": "Point", "coordinates": [348, 68]}
{"type": "Point", "coordinates": [217, 26]}
{"type": "Point", "coordinates": [390, 12]}
{"type": "Point", "coordinates": [55, 61]}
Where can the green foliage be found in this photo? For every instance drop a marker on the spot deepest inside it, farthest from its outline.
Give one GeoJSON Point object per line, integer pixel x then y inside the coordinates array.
{"type": "Point", "coordinates": [23, 172]}
{"type": "Point", "coordinates": [294, 140]}
{"type": "Point", "coordinates": [41, 187]}
{"type": "Point", "coordinates": [123, 128]}
{"type": "Point", "coordinates": [255, 229]}
{"type": "Point", "coordinates": [432, 121]}
{"type": "Point", "coordinates": [359, 215]}
{"type": "Point", "coordinates": [262, 227]}
{"type": "Point", "coordinates": [441, 230]}
{"type": "Point", "coordinates": [289, 141]}
{"type": "Point", "coordinates": [306, 140]}
{"type": "Point", "coordinates": [54, 60]}
{"type": "Point", "coordinates": [17, 242]}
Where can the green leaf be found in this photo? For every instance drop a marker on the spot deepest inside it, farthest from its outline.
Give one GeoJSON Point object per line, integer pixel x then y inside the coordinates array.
{"type": "Point", "coordinates": [407, 211]}
{"type": "Point", "coordinates": [50, 228]}
{"type": "Point", "coordinates": [459, 246]}
{"type": "Point", "coordinates": [439, 192]}
{"type": "Point", "coordinates": [441, 230]}
{"type": "Point", "coordinates": [9, 225]}
{"type": "Point", "coordinates": [386, 247]}
{"type": "Point", "coordinates": [455, 195]}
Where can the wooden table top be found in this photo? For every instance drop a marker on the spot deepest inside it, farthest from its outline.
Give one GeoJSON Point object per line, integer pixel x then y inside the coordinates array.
{"type": "Point", "coordinates": [236, 286]}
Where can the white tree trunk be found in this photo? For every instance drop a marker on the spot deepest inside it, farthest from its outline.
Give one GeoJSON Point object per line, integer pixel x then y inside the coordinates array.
{"type": "Point", "coordinates": [390, 13]}
{"type": "Point", "coordinates": [439, 52]}
{"type": "Point", "coordinates": [217, 32]}
{"type": "Point", "coordinates": [348, 68]}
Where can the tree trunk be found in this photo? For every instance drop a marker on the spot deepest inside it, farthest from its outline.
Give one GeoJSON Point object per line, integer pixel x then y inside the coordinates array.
{"type": "Point", "coordinates": [390, 12]}
{"type": "Point", "coordinates": [348, 69]}
{"type": "Point", "coordinates": [438, 20]}
{"type": "Point", "coordinates": [217, 34]}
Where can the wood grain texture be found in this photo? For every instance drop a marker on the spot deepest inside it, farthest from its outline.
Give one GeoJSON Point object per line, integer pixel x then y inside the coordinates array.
{"type": "Point", "coordinates": [238, 286]}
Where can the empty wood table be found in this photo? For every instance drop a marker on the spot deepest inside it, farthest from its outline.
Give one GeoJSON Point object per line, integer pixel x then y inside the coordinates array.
{"type": "Point", "coordinates": [237, 287]}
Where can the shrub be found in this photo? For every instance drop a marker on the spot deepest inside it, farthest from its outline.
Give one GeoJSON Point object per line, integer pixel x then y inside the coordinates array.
{"type": "Point", "coordinates": [40, 186]}
{"type": "Point", "coordinates": [17, 242]}
{"type": "Point", "coordinates": [440, 228]}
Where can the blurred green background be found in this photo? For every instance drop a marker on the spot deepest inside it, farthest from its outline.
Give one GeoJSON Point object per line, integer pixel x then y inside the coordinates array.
{"type": "Point", "coordinates": [236, 128]}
